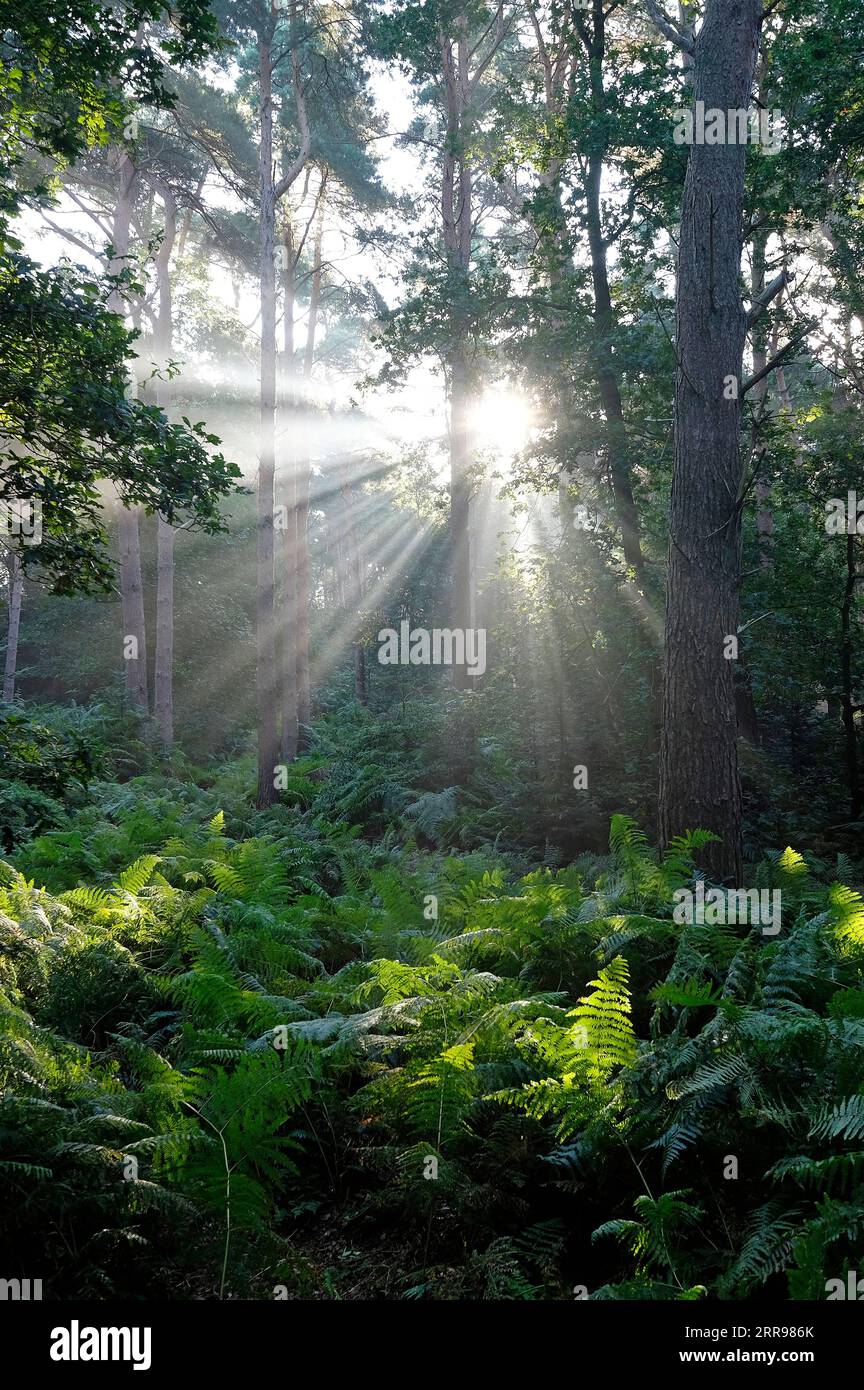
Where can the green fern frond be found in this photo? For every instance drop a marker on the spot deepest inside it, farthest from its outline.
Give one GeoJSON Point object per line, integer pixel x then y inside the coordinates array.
{"type": "Point", "coordinates": [92, 898]}
{"type": "Point", "coordinates": [725, 1071]}
{"type": "Point", "coordinates": [604, 1016]}
{"type": "Point", "coordinates": [686, 994]}
{"type": "Point", "coordinates": [767, 1249]}
{"type": "Point", "coordinates": [841, 1121]}
{"type": "Point", "coordinates": [138, 875]}
{"type": "Point", "coordinates": [847, 912]}
{"type": "Point", "coordinates": [26, 1170]}
{"type": "Point", "coordinates": [226, 879]}
{"type": "Point", "coordinates": [844, 1170]}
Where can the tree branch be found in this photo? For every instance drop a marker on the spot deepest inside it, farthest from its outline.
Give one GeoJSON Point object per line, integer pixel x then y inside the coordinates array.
{"type": "Point", "coordinates": [668, 27]}
{"type": "Point", "coordinates": [499, 32]}
{"type": "Point", "coordinates": [296, 168]}
{"type": "Point", "coordinates": [70, 236]}
{"type": "Point", "coordinates": [776, 361]}
{"type": "Point", "coordinates": [771, 291]}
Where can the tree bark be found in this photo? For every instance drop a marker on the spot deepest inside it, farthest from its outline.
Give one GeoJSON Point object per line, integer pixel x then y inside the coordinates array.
{"type": "Point", "coordinates": [132, 605]}
{"type": "Point", "coordinates": [304, 697]}
{"type": "Point", "coordinates": [699, 778]}
{"type": "Point", "coordinates": [16, 596]}
{"type": "Point", "coordinates": [288, 504]}
{"type": "Point", "coordinates": [163, 680]}
{"type": "Point", "coordinates": [745, 704]}
{"type": "Point", "coordinates": [853, 775]}
{"type": "Point", "coordinates": [131, 586]}
{"type": "Point", "coordinates": [352, 568]}
{"type": "Point", "coordinates": [460, 501]}
{"type": "Point", "coordinates": [163, 694]}
{"type": "Point", "coordinates": [270, 192]}
{"type": "Point", "coordinates": [604, 316]}
{"type": "Point", "coordinates": [456, 223]}
{"type": "Point", "coordinates": [361, 692]}
{"type": "Point", "coordinates": [266, 690]}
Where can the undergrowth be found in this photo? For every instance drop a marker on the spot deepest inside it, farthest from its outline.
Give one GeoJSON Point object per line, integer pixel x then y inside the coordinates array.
{"type": "Point", "coordinates": [332, 1049]}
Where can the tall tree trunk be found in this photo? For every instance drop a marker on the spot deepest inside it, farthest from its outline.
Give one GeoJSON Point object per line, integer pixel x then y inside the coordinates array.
{"type": "Point", "coordinates": [559, 69]}
{"type": "Point", "coordinates": [131, 586]}
{"type": "Point", "coordinates": [747, 714]}
{"type": "Point", "coordinates": [762, 489]}
{"type": "Point", "coordinates": [699, 778]}
{"type": "Point", "coordinates": [288, 507]}
{"type": "Point", "coordinates": [132, 606]}
{"type": "Point", "coordinates": [848, 707]}
{"type": "Point", "coordinates": [604, 317]}
{"type": "Point", "coordinates": [460, 501]}
{"type": "Point", "coordinates": [456, 225]}
{"type": "Point", "coordinates": [164, 673]}
{"type": "Point", "coordinates": [266, 686]}
{"type": "Point", "coordinates": [607, 384]}
{"type": "Point", "coordinates": [353, 568]}
{"type": "Point", "coordinates": [16, 595]}
{"type": "Point", "coordinates": [270, 192]}
{"type": "Point", "coordinates": [361, 691]}
{"type": "Point", "coordinates": [186, 222]}
{"type": "Point", "coordinates": [688, 28]}
{"type": "Point", "coordinates": [304, 699]}
{"type": "Point", "coordinates": [163, 680]}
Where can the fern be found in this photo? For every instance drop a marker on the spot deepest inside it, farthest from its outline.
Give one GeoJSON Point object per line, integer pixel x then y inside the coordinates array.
{"type": "Point", "coordinates": [847, 912]}
{"type": "Point", "coordinates": [659, 1223]}
{"type": "Point", "coordinates": [629, 848]}
{"type": "Point", "coordinates": [605, 1018]}
{"type": "Point", "coordinates": [133, 879]}
{"type": "Point", "coordinates": [688, 994]}
{"type": "Point", "coordinates": [766, 1250]}
{"type": "Point", "coordinates": [844, 1120]}
{"type": "Point", "coordinates": [840, 1170]}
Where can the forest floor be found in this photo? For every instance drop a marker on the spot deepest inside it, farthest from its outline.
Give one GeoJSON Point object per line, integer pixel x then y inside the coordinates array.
{"type": "Point", "coordinates": [326, 1050]}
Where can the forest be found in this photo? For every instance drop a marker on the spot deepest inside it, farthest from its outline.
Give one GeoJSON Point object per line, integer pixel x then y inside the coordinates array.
{"type": "Point", "coordinates": [432, 722]}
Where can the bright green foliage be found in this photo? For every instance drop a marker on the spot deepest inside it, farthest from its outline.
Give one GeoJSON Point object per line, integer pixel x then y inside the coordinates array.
{"type": "Point", "coordinates": [258, 1013]}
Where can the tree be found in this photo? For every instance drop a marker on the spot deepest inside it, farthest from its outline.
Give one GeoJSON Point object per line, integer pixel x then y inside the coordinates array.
{"type": "Point", "coordinates": [65, 358]}
{"type": "Point", "coordinates": [275, 41]}
{"type": "Point", "coordinates": [699, 777]}
{"type": "Point", "coordinates": [452, 48]}
{"type": "Point", "coordinates": [339, 193]}
{"type": "Point", "coordinates": [68, 69]}
{"type": "Point", "coordinates": [131, 585]}
{"type": "Point", "coordinates": [16, 594]}
{"type": "Point", "coordinates": [301, 513]}
{"type": "Point", "coordinates": [65, 351]}
{"type": "Point", "coordinates": [163, 689]}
